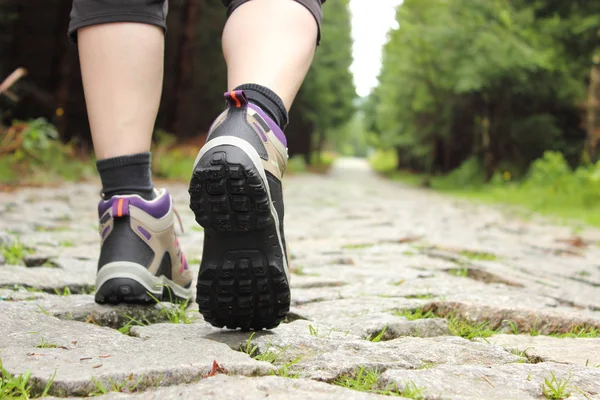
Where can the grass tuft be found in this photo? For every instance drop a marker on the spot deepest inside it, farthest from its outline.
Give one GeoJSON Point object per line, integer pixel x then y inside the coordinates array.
{"type": "Point", "coordinates": [365, 380]}
{"type": "Point", "coordinates": [554, 388]}
{"type": "Point", "coordinates": [579, 332]}
{"type": "Point", "coordinates": [15, 253]}
{"type": "Point", "coordinates": [378, 337]}
{"type": "Point", "coordinates": [19, 387]}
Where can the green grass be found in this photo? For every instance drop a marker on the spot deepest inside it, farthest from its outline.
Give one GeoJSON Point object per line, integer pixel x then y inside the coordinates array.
{"type": "Point", "coordinates": [478, 255]}
{"type": "Point", "coordinates": [418, 313]}
{"type": "Point", "coordinates": [125, 386]}
{"type": "Point", "coordinates": [467, 329]}
{"type": "Point", "coordinates": [460, 272]}
{"type": "Point", "coordinates": [65, 292]}
{"type": "Point", "coordinates": [421, 296]}
{"type": "Point", "coordinates": [19, 387]}
{"type": "Point", "coordinates": [46, 345]}
{"type": "Point", "coordinates": [272, 356]}
{"type": "Point", "coordinates": [554, 388]}
{"type": "Point", "coordinates": [377, 338]}
{"type": "Point", "coordinates": [365, 380]}
{"type": "Point", "coordinates": [357, 246]}
{"type": "Point", "coordinates": [126, 329]}
{"type": "Point", "coordinates": [579, 332]}
{"type": "Point", "coordinates": [176, 312]}
{"type": "Point", "coordinates": [538, 200]}
{"type": "Point", "coordinates": [550, 187]}
{"type": "Point", "coordinates": [15, 253]}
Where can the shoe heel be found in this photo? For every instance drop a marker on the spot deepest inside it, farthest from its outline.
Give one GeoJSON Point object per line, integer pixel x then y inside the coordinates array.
{"type": "Point", "coordinates": [242, 283]}
{"type": "Point", "coordinates": [227, 193]}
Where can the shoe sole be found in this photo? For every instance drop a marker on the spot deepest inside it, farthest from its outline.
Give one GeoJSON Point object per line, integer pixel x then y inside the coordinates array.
{"type": "Point", "coordinates": [243, 279]}
{"type": "Point", "coordinates": [131, 283]}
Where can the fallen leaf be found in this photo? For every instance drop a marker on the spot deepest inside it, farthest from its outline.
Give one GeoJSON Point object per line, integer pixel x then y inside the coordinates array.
{"type": "Point", "coordinates": [576, 241]}
{"type": "Point", "coordinates": [74, 342]}
{"type": "Point", "coordinates": [105, 356]}
{"type": "Point", "coordinates": [97, 366]}
{"type": "Point", "coordinates": [85, 358]}
{"type": "Point", "coordinates": [216, 369]}
{"type": "Point", "coordinates": [409, 239]}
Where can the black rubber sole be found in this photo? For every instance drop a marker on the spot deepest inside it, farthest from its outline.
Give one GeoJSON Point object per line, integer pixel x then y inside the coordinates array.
{"type": "Point", "coordinates": [129, 291]}
{"type": "Point", "coordinates": [242, 283]}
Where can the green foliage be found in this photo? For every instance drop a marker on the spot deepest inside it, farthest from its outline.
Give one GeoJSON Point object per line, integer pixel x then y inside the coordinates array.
{"type": "Point", "coordinates": [384, 161]}
{"type": "Point", "coordinates": [326, 98]}
{"type": "Point", "coordinates": [296, 165]}
{"type": "Point", "coordinates": [483, 85]}
{"type": "Point", "coordinates": [170, 162]}
{"type": "Point", "coordinates": [41, 157]}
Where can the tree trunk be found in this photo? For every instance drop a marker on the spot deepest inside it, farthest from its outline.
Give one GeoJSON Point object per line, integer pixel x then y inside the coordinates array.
{"type": "Point", "coordinates": [185, 57]}
{"type": "Point", "coordinates": [593, 114]}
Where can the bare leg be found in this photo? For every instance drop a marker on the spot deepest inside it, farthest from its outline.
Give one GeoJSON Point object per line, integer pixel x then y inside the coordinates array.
{"type": "Point", "coordinates": [270, 43]}
{"type": "Point", "coordinates": [122, 70]}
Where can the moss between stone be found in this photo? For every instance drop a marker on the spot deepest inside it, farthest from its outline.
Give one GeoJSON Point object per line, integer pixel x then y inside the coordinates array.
{"type": "Point", "coordinates": [469, 329]}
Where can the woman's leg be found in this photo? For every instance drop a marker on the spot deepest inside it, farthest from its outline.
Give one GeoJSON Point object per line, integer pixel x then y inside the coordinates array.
{"type": "Point", "coordinates": [236, 190]}
{"type": "Point", "coordinates": [121, 48]}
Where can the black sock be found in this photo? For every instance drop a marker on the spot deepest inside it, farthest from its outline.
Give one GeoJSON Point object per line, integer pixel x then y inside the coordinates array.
{"type": "Point", "coordinates": [129, 174]}
{"type": "Point", "coordinates": [268, 101]}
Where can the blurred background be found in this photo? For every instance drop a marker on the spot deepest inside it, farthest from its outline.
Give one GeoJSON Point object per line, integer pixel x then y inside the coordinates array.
{"type": "Point", "coordinates": [495, 100]}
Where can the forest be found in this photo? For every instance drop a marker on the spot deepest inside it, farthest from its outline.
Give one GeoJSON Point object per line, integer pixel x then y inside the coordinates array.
{"type": "Point", "coordinates": [496, 97]}
{"type": "Point", "coordinates": [51, 92]}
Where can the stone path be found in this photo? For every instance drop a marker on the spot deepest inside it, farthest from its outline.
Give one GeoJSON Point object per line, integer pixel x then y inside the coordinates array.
{"type": "Point", "coordinates": [393, 289]}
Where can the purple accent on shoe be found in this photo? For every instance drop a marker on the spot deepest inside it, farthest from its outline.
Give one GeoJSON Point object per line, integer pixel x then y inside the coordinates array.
{"type": "Point", "coordinates": [104, 205]}
{"type": "Point", "coordinates": [237, 98]}
{"type": "Point", "coordinates": [104, 232]}
{"type": "Point", "coordinates": [144, 232]}
{"type": "Point", "coordinates": [259, 129]}
{"type": "Point", "coordinates": [158, 208]}
{"type": "Point", "coordinates": [276, 129]}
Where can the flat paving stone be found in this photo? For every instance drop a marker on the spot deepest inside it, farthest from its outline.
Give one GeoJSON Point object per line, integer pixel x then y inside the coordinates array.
{"type": "Point", "coordinates": [498, 382]}
{"type": "Point", "coordinates": [243, 388]}
{"type": "Point", "coordinates": [579, 351]}
{"type": "Point", "coordinates": [77, 352]}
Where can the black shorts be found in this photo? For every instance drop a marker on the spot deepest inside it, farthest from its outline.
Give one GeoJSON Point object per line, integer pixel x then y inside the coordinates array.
{"type": "Point", "coordinates": [93, 12]}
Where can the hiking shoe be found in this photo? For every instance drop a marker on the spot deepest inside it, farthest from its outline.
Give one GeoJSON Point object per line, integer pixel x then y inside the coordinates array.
{"type": "Point", "coordinates": [140, 259]}
{"type": "Point", "coordinates": [237, 197]}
